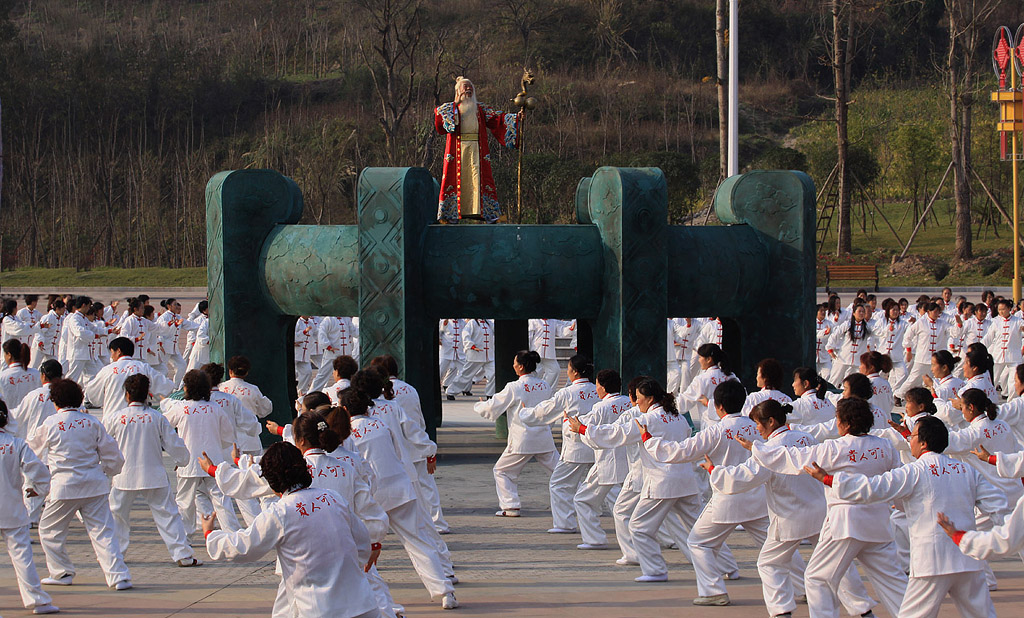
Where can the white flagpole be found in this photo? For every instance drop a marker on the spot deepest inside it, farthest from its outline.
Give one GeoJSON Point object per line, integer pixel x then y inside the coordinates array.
{"type": "Point", "coordinates": [734, 89]}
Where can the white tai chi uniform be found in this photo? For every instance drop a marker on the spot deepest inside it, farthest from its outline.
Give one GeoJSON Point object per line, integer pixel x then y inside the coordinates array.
{"type": "Point", "coordinates": [78, 334]}
{"type": "Point", "coordinates": [168, 328]}
{"type": "Point", "coordinates": [322, 573]}
{"type": "Point", "coordinates": [796, 509]}
{"type": "Point", "coordinates": [19, 467]}
{"type": "Point", "coordinates": [924, 337]}
{"type": "Point", "coordinates": [205, 427]}
{"type": "Point", "coordinates": [974, 331]}
{"type": "Point", "coordinates": [934, 484]}
{"type": "Point", "coordinates": [524, 442]}
{"type": "Point", "coordinates": [380, 447]}
{"type": "Point", "coordinates": [199, 355]}
{"type": "Point", "coordinates": [848, 347]}
{"type": "Point", "coordinates": [577, 458]}
{"type": "Point", "coordinates": [16, 382]}
{"type": "Point", "coordinates": [606, 475]}
{"type": "Point", "coordinates": [305, 336]}
{"type": "Point", "coordinates": [12, 327]}
{"type": "Point", "coordinates": [889, 336]}
{"type": "Point", "coordinates": [1004, 341]}
{"type": "Point", "coordinates": [809, 410]}
{"type": "Point", "coordinates": [334, 338]}
{"type": "Point", "coordinates": [81, 455]}
{"type": "Point", "coordinates": [703, 385]}
{"type": "Point", "coordinates": [35, 407]}
{"type": "Point", "coordinates": [686, 333]}
{"type": "Point", "coordinates": [260, 405]}
{"type": "Point", "coordinates": [822, 359]}
{"type": "Point", "coordinates": [721, 514]}
{"type": "Point", "coordinates": [46, 338]}
{"type": "Point", "coordinates": [143, 434]}
{"type": "Point", "coordinates": [107, 388]}
{"type": "Point", "coordinates": [247, 437]}
{"type": "Point", "coordinates": [763, 395]}
{"type": "Point", "coordinates": [542, 341]}
{"type": "Point", "coordinates": [478, 348]}
{"type": "Point", "coordinates": [451, 356]}
{"type": "Point", "coordinates": [408, 398]}
{"type": "Point", "coordinates": [881, 393]}
{"type": "Point", "coordinates": [860, 531]}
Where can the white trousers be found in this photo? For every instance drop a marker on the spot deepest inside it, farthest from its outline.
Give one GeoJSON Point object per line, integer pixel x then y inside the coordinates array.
{"type": "Point", "coordinates": [899, 371]}
{"type": "Point", "coordinates": [968, 590]}
{"type": "Point", "coordinates": [410, 523]}
{"type": "Point", "coordinates": [830, 562]}
{"type": "Point", "coordinates": [19, 548]}
{"type": "Point", "coordinates": [839, 372]}
{"type": "Point", "coordinates": [674, 376]}
{"type": "Point", "coordinates": [165, 515]}
{"type": "Point", "coordinates": [507, 470]}
{"type": "Point", "coordinates": [324, 373]}
{"type": "Point", "coordinates": [781, 569]}
{"type": "Point", "coordinates": [427, 491]}
{"type": "Point", "coordinates": [34, 506]}
{"type": "Point", "coordinates": [78, 371]}
{"type": "Point", "coordinates": [99, 524]}
{"type": "Point", "coordinates": [175, 367]}
{"type": "Point", "coordinates": [38, 358]}
{"type": "Point", "coordinates": [901, 534]}
{"type": "Point", "coordinates": [647, 519]}
{"type": "Point", "coordinates": [283, 603]}
{"type": "Point", "coordinates": [303, 376]}
{"type": "Point", "coordinates": [1002, 378]}
{"type": "Point", "coordinates": [706, 539]}
{"type": "Point", "coordinates": [589, 504]}
{"type": "Point", "coordinates": [824, 368]}
{"type": "Point", "coordinates": [915, 377]}
{"type": "Point", "coordinates": [622, 513]}
{"type": "Point", "coordinates": [565, 480]}
{"type": "Point", "coordinates": [549, 370]}
{"type": "Point", "coordinates": [204, 493]}
{"type": "Point", "coordinates": [450, 368]}
{"type": "Point", "coordinates": [464, 382]}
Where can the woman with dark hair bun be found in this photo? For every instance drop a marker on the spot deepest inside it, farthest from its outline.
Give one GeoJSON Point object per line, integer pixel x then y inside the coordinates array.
{"type": "Point", "coordinates": [321, 545]}
{"type": "Point", "coordinates": [577, 398]}
{"type": "Point", "coordinates": [769, 380]}
{"type": "Point", "coordinates": [524, 442]}
{"type": "Point", "coordinates": [714, 369]}
{"type": "Point", "coordinates": [16, 379]}
{"type": "Point", "coordinates": [875, 366]}
{"type": "Point", "coordinates": [810, 406]}
{"type": "Point", "coordinates": [943, 384]}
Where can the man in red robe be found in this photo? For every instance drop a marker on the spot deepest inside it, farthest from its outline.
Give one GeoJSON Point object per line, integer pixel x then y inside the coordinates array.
{"type": "Point", "coordinates": [467, 185]}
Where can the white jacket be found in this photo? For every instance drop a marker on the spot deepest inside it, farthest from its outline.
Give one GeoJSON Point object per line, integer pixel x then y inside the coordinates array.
{"type": "Point", "coordinates": [380, 448]}
{"type": "Point", "coordinates": [143, 435]}
{"type": "Point", "coordinates": [1003, 339]}
{"type": "Point", "coordinates": [822, 332]}
{"type": "Point", "coordinates": [408, 398]}
{"type": "Point", "coordinates": [610, 464]}
{"type": "Point", "coordinates": [451, 339]}
{"type": "Point", "coordinates": [478, 341]}
{"type": "Point", "coordinates": [703, 384]}
{"type": "Point", "coordinates": [46, 339]}
{"type": "Point", "coordinates": [868, 455]}
{"type": "Point", "coordinates": [889, 335]}
{"type": "Point", "coordinates": [763, 395]}
{"type": "Point", "coordinates": [997, 437]}
{"type": "Point", "coordinates": [80, 336]}
{"type": "Point", "coordinates": [305, 338]}
{"type": "Point", "coordinates": [168, 328]}
{"type": "Point", "coordinates": [573, 400]}
{"type": "Point", "coordinates": [341, 476]}
{"type": "Point", "coordinates": [247, 426]}
{"type": "Point", "coordinates": [528, 390]}
{"type": "Point", "coordinates": [249, 394]}
{"type": "Point", "coordinates": [976, 330]}
{"type": "Point", "coordinates": [927, 336]}
{"type": "Point", "coordinates": [542, 336]}
{"type": "Point", "coordinates": [107, 388]}
{"type": "Point", "coordinates": [661, 480]}
{"type": "Point", "coordinates": [205, 427]}
{"type": "Point", "coordinates": [848, 350]}
{"type": "Point", "coordinates": [809, 410]}
{"type": "Point", "coordinates": [32, 411]}
{"type": "Point", "coordinates": [334, 337]}
{"type": "Point", "coordinates": [19, 467]}
{"type": "Point", "coordinates": [16, 382]}
{"type": "Point", "coordinates": [685, 337]}
{"type": "Point", "coordinates": [323, 573]}
{"type": "Point", "coordinates": [796, 503]}
{"type": "Point", "coordinates": [931, 485]}
{"type": "Point", "coordinates": [719, 443]}
{"type": "Point", "coordinates": [80, 453]}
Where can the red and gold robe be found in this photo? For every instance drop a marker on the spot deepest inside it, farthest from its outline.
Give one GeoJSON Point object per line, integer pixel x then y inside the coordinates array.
{"type": "Point", "coordinates": [505, 129]}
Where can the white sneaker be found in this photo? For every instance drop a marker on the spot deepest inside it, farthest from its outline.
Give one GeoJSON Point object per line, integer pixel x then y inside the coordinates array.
{"type": "Point", "coordinates": [57, 581]}
{"type": "Point", "coordinates": [624, 561]}
{"type": "Point", "coordinates": [46, 609]}
{"type": "Point", "coordinates": [731, 576]}
{"type": "Point", "coordinates": [592, 546]}
{"type": "Point", "coordinates": [562, 530]}
{"type": "Point", "coordinates": [507, 513]}
{"type": "Point", "coordinates": [449, 602]}
{"type": "Point", "coordinates": [124, 584]}
{"type": "Point", "coordinates": [652, 578]}
{"type": "Point", "coordinates": [453, 578]}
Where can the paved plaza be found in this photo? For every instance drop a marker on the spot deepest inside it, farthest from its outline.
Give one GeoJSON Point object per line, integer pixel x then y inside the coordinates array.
{"type": "Point", "coordinates": [508, 567]}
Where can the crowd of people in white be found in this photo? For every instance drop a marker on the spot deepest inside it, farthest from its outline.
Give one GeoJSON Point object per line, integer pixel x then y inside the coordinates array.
{"type": "Point", "coordinates": [901, 450]}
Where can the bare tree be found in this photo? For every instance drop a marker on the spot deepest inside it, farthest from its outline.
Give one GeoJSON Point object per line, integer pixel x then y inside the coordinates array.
{"type": "Point", "coordinates": [723, 111]}
{"type": "Point", "coordinates": [397, 29]}
{"type": "Point", "coordinates": [842, 62]}
{"type": "Point", "coordinates": [966, 20]}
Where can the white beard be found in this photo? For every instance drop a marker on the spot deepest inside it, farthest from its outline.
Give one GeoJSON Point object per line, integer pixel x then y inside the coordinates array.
{"type": "Point", "coordinates": [467, 106]}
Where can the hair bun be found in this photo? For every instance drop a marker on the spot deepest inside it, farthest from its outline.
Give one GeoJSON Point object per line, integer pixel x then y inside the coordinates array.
{"type": "Point", "coordinates": [322, 426]}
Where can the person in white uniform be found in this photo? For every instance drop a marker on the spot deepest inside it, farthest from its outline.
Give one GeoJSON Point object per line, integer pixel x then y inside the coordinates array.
{"type": "Point", "coordinates": [822, 331]}
{"type": "Point", "coordinates": [81, 456]}
{"type": "Point", "coordinates": [686, 333]}
{"type": "Point", "coordinates": [248, 393]}
{"type": "Point", "coordinates": [107, 388]}
{"type": "Point", "coordinates": [478, 349]}
{"type": "Point", "coordinates": [575, 399]}
{"type": "Point", "coordinates": [16, 379]}
{"type": "Point", "coordinates": [719, 518]}
{"type": "Point", "coordinates": [381, 448]}
{"type": "Point", "coordinates": [698, 396]}
{"type": "Point", "coordinates": [889, 334]}
{"type": "Point", "coordinates": [769, 380]}
{"type": "Point", "coordinates": [321, 545]}
{"type": "Point", "coordinates": [169, 326]}
{"type": "Point", "coordinates": [848, 341]}
{"type": "Point", "coordinates": [611, 465]}
{"type": "Point", "coordinates": [143, 435]}
{"type": "Point", "coordinates": [860, 531]}
{"type": "Point", "coordinates": [524, 442]}
{"type": "Point", "coordinates": [875, 365]}
{"type": "Point", "coordinates": [344, 368]}
{"type": "Point", "coordinates": [78, 335]}
{"type": "Point", "coordinates": [934, 483]}
{"type": "Point", "coordinates": [206, 428]}
{"type": "Point", "coordinates": [334, 338]}
{"type": "Point", "coordinates": [11, 326]}
{"type": "Point", "coordinates": [199, 355]}
{"type": "Point", "coordinates": [46, 339]}
{"type": "Point", "coordinates": [451, 357]}
{"type": "Point", "coordinates": [810, 406]}
{"type": "Point", "coordinates": [928, 335]}
{"type": "Point", "coordinates": [305, 334]}
{"type": "Point", "coordinates": [796, 509]}
{"type": "Point", "coordinates": [542, 340]}
{"type": "Point", "coordinates": [21, 475]}
{"type": "Point", "coordinates": [1004, 341]}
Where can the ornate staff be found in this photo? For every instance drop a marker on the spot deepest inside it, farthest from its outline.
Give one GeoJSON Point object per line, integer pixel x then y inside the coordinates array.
{"type": "Point", "coordinates": [523, 102]}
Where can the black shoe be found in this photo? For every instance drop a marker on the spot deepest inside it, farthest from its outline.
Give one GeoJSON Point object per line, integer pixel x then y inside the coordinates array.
{"type": "Point", "coordinates": [868, 614]}
{"type": "Point", "coordinates": [467, 393]}
{"type": "Point", "coordinates": [450, 397]}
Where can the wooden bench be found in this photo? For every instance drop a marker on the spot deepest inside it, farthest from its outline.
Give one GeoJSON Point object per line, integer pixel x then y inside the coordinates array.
{"type": "Point", "coordinates": [852, 272]}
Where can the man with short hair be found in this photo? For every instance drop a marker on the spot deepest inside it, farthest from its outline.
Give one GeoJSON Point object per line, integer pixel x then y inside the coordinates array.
{"type": "Point", "coordinates": [107, 388]}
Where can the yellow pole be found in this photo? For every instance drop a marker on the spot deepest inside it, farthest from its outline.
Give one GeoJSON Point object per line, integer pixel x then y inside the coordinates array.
{"type": "Point", "coordinates": [1016, 212]}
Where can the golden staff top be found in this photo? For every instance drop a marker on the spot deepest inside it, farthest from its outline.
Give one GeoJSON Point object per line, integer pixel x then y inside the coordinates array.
{"type": "Point", "coordinates": [524, 102]}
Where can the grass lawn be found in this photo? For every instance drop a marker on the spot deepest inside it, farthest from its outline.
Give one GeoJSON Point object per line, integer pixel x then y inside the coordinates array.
{"type": "Point", "coordinates": [104, 277]}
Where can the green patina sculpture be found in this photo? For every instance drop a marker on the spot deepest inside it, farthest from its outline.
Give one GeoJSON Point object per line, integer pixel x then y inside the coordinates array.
{"type": "Point", "coordinates": [620, 272]}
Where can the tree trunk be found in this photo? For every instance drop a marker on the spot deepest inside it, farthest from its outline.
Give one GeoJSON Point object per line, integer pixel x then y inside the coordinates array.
{"type": "Point", "coordinates": [959, 137]}
{"type": "Point", "coordinates": [841, 24]}
{"type": "Point", "coordinates": [723, 104]}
